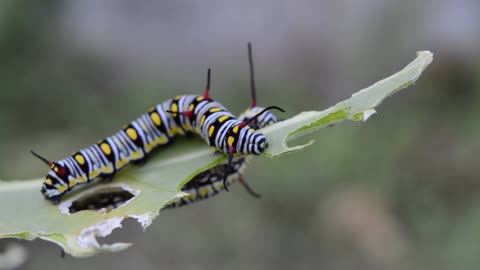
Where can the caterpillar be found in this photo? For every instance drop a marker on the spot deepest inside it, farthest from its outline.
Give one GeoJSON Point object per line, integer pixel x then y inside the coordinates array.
{"type": "Point", "coordinates": [209, 182]}
{"type": "Point", "coordinates": [182, 115]}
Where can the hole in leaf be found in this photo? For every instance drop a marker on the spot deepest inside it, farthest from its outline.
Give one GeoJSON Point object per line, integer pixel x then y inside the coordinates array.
{"type": "Point", "coordinates": [105, 199]}
{"type": "Point", "coordinates": [127, 234]}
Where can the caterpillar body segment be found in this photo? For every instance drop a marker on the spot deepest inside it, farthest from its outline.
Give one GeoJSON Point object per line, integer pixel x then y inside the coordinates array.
{"type": "Point", "coordinates": [209, 183]}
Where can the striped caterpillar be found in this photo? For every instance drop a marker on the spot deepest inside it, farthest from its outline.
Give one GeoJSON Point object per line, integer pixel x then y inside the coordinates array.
{"type": "Point", "coordinates": [209, 183]}
{"type": "Point", "coordinates": [182, 115]}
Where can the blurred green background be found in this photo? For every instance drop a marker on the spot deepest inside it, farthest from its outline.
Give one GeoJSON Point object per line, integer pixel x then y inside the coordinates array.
{"type": "Point", "coordinates": [399, 191]}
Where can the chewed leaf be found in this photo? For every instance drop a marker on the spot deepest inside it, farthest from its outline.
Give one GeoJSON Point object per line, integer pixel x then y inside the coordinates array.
{"type": "Point", "coordinates": [359, 107]}
{"type": "Point", "coordinates": [150, 187]}
{"type": "Point", "coordinates": [140, 192]}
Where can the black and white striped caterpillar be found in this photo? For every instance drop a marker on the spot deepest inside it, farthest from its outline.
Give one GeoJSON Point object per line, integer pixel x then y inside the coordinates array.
{"type": "Point", "coordinates": [182, 115]}
{"type": "Point", "coordinates": [210, 182]}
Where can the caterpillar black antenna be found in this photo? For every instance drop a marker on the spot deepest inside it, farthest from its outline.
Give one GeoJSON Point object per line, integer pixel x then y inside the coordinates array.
{"type": "Point", "coordinates": [260, 113]}
{"type": "Point", "coordinates": [248, 188]}
{"type": "Point", "coordinates": [207, 88]}
{"type": "Point", "coordinates": [189, 114]}
{"type": "Point", "coordinates": [253, 102]}
{"type": "Point", "coordinates": [49, 163]}
{"type": "Point", "coordinates": [244, 123]}
{"type": "Point", "coordinates": [228, 167]}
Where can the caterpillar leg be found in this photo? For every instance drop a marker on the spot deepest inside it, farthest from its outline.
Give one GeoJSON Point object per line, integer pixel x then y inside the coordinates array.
{"type": "Point", "coordinates": [54, 199]}
{"type": "Point", "coordinates": [248, 188]}
{"type": "Point", "coordinates": [107, 178]}
{"type": "Point", "coordinates": [228, 168]}
{"type": "Point", "coordinates": [140, 162]}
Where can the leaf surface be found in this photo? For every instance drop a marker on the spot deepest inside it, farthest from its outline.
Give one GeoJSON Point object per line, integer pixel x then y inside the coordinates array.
{"type": "Point", "coordinates": [25, 214]}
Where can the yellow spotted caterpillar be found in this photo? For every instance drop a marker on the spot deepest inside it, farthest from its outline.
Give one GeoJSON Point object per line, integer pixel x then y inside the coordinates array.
{"type": "Point", "coordinates": [210, 182]}
{"type": "Point", "coordinates": [182, 115]}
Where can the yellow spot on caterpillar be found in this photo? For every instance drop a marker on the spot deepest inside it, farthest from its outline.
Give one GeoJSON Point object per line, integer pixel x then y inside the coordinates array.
{"type": "Point", "coordinates": [47, 181]}
{"type": "Point", "coordinates": [72, 182]}
{"type": "Point", "coordinates": [216, 109]}
{"type": "Point", "coordinates": [52, 166]}
{"type": "Point", "coordinates": [132, 134]}
{"type": "Point", "coordinates": [230, 140]}
{"type": "Point", "coordinates": [80, 159]}
{"type": "Point", "coordinates": [252, 130]}
{"type": "Point", "coordinates": [191, 196]}
{"type": "Point", "coordinates": [61, 189]}
{"type": "Point", "coordinates": [150, 146]}
{"type": "Point", "coordinates": [106, 148]}
{"type": "Point", "coordinates": [81, 179]}
{"type": "Point", "coordinates": [135, 155]}
{"type": "Point", "coordinates": [222, 118]}
{"type": "Point", "coordinates": [176, 130]}
{"type": "Point", "coordinates": [191, 107]}
{"type": "Point", "coordinates": [210, 131]}
{"type": "Point", "coordinates": [174, 107]}
{"type": "Point", "coordinates": [107, 169]}
{"type": "Point", "coordinates": [199, 98]}
{"type": "Point", "coordinates": [178, 97]}
{"type": "Point", "coordinates": [219, 185]}
{"type": "Point", "coordinates": [235, 129]}
{"type": "Point", "coordinates": [186, 127]}
{"type": "Point", "coordinates": [55, 169]}
{"type": "Point", "coordinates": [202, 120]}
{"type": "Point", "coordinates": [156, 119]}
{"type": "Point", "coordinates": [203, 191]}
{"type": "Point", "coordinates": [120, 163]}
{"type": "Point", "coordinates": [161, 140]}
{"type": "Point", "coordinates": [94, 173]}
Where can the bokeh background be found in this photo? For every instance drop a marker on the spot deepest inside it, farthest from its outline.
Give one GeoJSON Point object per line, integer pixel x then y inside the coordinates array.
{"type": "Point", "coordinates": [401, 191]}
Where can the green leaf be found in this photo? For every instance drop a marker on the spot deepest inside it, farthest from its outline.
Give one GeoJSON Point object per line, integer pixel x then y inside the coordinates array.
{"type": "Point", "coordinates": [359, 107]}
{"type": "Point", "coordinates": [25, 214]}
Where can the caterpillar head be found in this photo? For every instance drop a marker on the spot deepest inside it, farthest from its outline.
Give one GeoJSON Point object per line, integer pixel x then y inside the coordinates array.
{"type": "Point", "coordinates": [55, 182]}
{"type": "Point", "coordinates": [244, 140]}
{"type": "Point", "coordinates": [242, 137]}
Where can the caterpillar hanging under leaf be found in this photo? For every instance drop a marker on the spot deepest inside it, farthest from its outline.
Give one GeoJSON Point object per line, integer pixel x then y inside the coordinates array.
{"type": "Point", "coordinates": [182, 115]}
{"type": "Point", "coordinates": [210, 182]}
